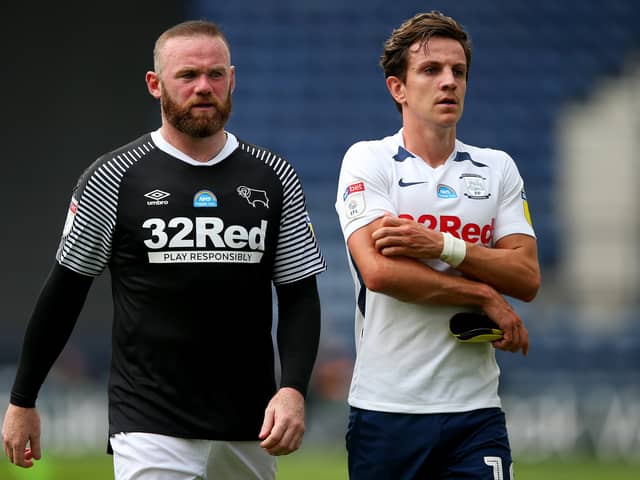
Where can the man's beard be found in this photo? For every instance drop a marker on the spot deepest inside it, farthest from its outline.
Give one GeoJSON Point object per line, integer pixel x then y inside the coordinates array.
{"type": "Point", "coordinates": [199, 126]}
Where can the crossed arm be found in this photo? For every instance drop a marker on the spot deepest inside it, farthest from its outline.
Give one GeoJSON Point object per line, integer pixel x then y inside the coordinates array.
{"type": "Point", "coordinates": [387, 253]}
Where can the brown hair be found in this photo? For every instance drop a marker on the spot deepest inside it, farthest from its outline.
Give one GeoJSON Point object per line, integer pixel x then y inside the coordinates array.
{"type": "Point", "coordinates": [420, 28]}
{"type": "Point", "coordinates": [190, 28]}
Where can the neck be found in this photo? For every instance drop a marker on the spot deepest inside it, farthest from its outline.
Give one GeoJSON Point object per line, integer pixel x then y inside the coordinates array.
{"type": "Point", "coordinates": [433, 145]}
{"type": "Point", "coordinates": [200, 149]}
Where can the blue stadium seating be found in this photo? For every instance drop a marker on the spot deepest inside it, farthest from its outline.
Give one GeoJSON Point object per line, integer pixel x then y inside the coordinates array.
{"type": "Point", "coordinates": [309, 85]}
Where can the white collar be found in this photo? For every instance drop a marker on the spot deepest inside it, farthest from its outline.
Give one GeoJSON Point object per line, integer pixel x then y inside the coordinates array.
{"type": "Point", "coordinates": [230, 145]}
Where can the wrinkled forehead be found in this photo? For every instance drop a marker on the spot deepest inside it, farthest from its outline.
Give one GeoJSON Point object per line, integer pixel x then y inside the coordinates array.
{"type": "Point", "coordinates": [194, 50]}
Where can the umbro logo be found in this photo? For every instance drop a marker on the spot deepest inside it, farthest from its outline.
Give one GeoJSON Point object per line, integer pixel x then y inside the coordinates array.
{"type": "Point", "coordinates": [156, 197]}
{"type": "Point", "coordinates": [402, 183]}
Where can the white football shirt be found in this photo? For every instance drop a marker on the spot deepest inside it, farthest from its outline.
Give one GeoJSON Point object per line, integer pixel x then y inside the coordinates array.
{"type": "Point", "coordinates": [406, 359]}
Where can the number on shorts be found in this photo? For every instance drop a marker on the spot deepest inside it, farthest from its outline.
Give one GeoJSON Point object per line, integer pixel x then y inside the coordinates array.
{"type": "Point", "coordinates": [496, 464]}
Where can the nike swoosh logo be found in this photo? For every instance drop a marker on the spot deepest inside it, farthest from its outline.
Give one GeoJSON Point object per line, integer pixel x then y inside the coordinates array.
{"type": "Point", "coordinates": [402, 183]}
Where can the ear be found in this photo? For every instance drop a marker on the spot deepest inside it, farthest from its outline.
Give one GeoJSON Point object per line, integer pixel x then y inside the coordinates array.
{"type": "Point", "coordinates": [396, 89]}
{"type": "Point", "coordinates": [232, 83]}
{"type": "Point", "coordinates": [153, 84]}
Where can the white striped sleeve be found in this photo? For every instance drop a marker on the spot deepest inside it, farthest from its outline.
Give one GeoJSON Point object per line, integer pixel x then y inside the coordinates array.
{"type": "Point", "coordinates": [86, 241]}
{"type": "Point", "coordinates": [297, 255]}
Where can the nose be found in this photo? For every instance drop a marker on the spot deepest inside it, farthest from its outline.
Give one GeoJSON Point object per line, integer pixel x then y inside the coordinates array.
{"type": "Point", "coordinates": [203, 85]}
{"type": "Point", "coordinates": [448, 80]}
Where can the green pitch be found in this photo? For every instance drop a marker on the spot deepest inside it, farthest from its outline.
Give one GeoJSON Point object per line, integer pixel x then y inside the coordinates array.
{"type": "Point", "coordinates": [312, 464]}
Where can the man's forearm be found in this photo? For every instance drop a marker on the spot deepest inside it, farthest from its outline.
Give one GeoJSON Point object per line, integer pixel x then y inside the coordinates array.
{"type": "Point", "coordinates": [298, 331]}
{"type": "Point", "coordinates": [53, 319]}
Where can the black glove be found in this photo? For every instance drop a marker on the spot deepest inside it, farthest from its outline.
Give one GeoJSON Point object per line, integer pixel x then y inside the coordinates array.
{"type": "Point", "coordinates": [474, 328]}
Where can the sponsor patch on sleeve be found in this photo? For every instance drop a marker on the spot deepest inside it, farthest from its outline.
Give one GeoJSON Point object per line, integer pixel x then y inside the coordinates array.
{"type": "Point", "coordinates": [71, 215]}
{"type": "Point", "coordinates": [353, 197]}
{"type": "Point", "coordinates": [525, 207]}
{"type": "Point", "coordinates": [308, 220]}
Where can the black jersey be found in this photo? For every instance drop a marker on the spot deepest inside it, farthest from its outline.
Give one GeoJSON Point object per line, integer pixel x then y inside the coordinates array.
{"type": "Point", "coordinates": [193, 251]}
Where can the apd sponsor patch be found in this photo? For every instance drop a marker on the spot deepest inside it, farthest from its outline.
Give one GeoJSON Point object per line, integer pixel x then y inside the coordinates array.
{"type": "Point", "coordinates": [205, 198]}
{"type": "Point", "coordinates": [445, 191]}
{"type": "Point", "coordinates": [353, 196]}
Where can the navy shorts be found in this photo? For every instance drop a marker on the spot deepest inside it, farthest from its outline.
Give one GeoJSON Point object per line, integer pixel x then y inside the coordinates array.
{"type": "Point", "coordinates": [399, 446]}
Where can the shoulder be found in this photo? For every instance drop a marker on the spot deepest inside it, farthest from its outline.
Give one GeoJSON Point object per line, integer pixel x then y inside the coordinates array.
{"type": "Point", "coordinates": [372, 151]}
{"type": "Point", "coordinates": [267, 157]}
{"type": "Point", "coordinates": [138, 147]}
{"type": "Point", "coordinates": [119, 160]}
{"type": "Point", "coordinates": [128, 153]}
{"type": "Point", "coordinates": [492, 156]}
{"type": "Point", "coordinates": [375, 146]}
{"type": "Point", "coordinates": [264, 154]}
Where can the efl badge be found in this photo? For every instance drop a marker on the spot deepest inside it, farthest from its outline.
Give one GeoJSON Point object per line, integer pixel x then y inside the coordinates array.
{"type": "Point", "coordinates": [476, 186]}
{"type": "Point", "coordinates": [353, 197]}
{"type": "Point", "coordinates": [71, 215]}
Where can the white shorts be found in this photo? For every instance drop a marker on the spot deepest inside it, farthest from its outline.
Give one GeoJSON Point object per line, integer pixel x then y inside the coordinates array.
{"type": "Point", "coordinates": [149, 456]}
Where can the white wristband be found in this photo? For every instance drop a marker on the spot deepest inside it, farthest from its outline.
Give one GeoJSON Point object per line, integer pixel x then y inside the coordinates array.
{"type": "Point", "coordinates": [453, 249]}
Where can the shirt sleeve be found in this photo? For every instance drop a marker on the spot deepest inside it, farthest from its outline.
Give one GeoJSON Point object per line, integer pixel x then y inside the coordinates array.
{"type": "Point", "coordinates": [86, 241]}
{"type": "Point", "coordinates": [297, 255]}
{"type": "Point", "coordinates": [363, 189]}
{"type": "Point", "coordinates": [513, 210]}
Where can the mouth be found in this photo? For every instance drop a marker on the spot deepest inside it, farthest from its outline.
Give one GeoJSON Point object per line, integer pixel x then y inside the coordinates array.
{"type": "Point", "coordinates": [202, 105]}
{"type": "Point", "coordinates": [448, 101]}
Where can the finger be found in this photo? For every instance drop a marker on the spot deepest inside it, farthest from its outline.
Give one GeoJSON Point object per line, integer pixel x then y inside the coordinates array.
{"type": "Point", "coordinates": [515, 338]}
{"type": "Point", "coordinates": [525, 346]}
{"type": "Point", "coordinates": [391, 251]}
{"type": "Point", "coordinates": [274, 438]}
{"type": "Point", "coordinates": [8, 452]}
{"type": "Point", "coordinates": [294, 444]}
{"type": "Point", "coordinates": [387, 234]}
{"type": "Point", "coordinates": [292, 438]}
{"type": "Point", "coordinates": [522, 337]}
{"type": "Point", "coordinates": [18, 456]}
{"type": "Point", "coordinates": [287, 442]}
{"type": "Point", "coordinates": [500, 344]}
{"type": "Point", "coordinates": [503, 344]}
{"type": "Point", "coordinates": [28, 458]}
{"type": "Point", "coordinates": [35, 450]}
{"type": "Point", "coordinates": [267, 425]}
{"type": "Point", "coordinates": [284, 449]}
{"type": "Point", "coordinates": [507, 337]}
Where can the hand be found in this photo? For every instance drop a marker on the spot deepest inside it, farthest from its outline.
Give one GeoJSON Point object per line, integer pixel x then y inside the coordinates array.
{"type": "Point", "coordinates": [400, 236]}
{"type": "Point", "coordinates": [21, 426]}
{"type": "Point", "coordinates": [283, 426]}
{"type": "Point", "coordinates": [516, 336]}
